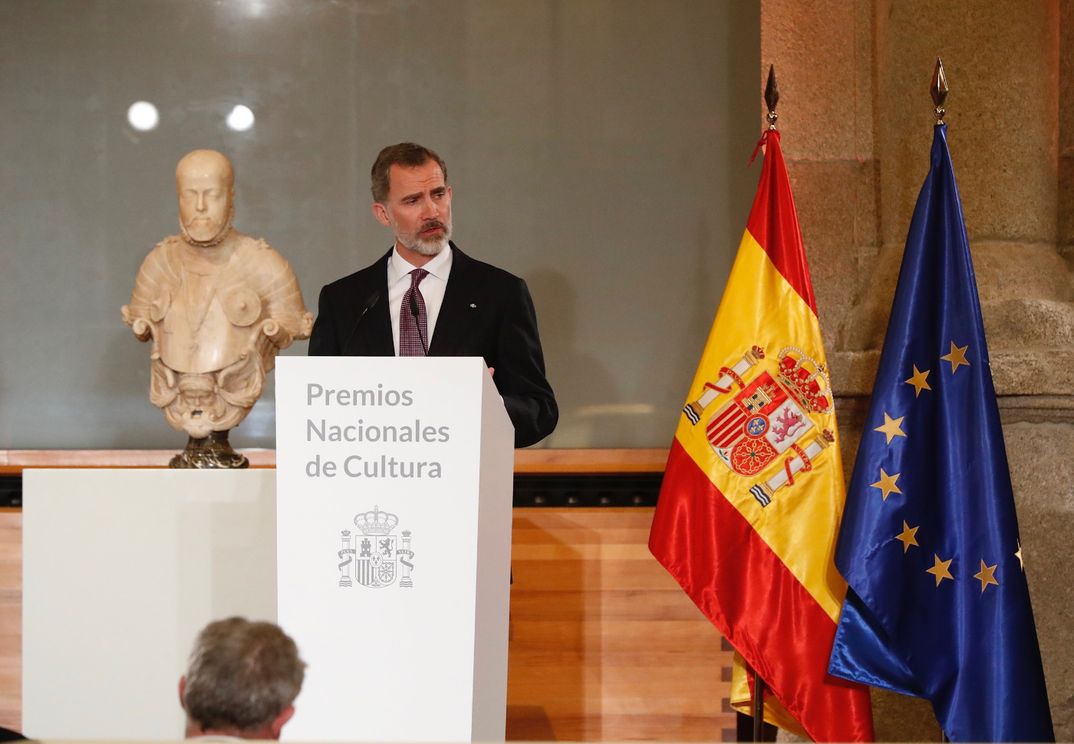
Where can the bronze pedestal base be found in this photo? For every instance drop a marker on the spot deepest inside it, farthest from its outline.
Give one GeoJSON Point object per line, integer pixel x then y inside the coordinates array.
{"type": "Point", "coordinates": [213, 451]}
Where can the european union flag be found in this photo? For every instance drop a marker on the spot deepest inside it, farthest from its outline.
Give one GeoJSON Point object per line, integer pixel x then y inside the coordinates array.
{"type": "Point", "coordinates": [938, 605]}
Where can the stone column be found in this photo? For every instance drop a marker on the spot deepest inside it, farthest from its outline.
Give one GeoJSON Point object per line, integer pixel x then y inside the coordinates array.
{"type": "Point", "coordinates": [1066, 130]}
{"type": "Point", "coordinates": [857, 123]}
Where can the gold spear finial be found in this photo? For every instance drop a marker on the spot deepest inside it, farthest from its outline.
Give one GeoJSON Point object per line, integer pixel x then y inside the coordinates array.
{"type": "Point", "coordinates": [771, 96]}
{"type": "Point", "coordinates": [939, 90]}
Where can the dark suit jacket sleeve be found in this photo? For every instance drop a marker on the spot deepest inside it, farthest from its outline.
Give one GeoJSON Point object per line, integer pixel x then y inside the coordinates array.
{"type": "Point", "coordinates": [519, 371]}
{"type": "Point", "coordinates": [324, 341]}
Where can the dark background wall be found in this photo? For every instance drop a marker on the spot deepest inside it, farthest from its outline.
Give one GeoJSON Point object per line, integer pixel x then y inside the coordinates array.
{"type": "Point", "coordinates": [597, 148]}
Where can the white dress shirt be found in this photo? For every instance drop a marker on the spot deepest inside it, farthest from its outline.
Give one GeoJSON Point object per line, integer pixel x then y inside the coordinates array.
{"type": "Point", "coordinates": [432, 289]}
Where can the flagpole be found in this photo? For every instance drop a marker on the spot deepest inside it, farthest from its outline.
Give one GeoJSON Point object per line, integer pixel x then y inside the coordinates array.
{"type": "Point", "coordinates": [938, 89]}
{"type": "Point", "coordinates": [758, 706]}
{"type": "Point", "coordinates": [771, 98]}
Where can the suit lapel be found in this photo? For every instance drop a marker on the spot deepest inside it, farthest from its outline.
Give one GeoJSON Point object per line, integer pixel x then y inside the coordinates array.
{"type": "Point", "coordinates": [374, 336]}
{"type": "Point", "coordinates": [451, 324]}
{"type": "Point", "coordinates": [382, 343]}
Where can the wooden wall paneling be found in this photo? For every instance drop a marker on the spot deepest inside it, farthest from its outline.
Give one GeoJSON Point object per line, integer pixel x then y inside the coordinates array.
{"type": "Point", "coordinates": [605, 646]}
{"type": "Point", "coordinates": [11, 618]}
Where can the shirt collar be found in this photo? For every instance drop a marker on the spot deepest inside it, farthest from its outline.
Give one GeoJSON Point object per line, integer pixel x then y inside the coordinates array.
{"type": "Point", "coordinates": [399, 267]}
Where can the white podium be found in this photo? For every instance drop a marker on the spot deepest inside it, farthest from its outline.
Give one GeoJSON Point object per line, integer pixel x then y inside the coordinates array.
{"type": "Point", "coordinates": [394, 481]}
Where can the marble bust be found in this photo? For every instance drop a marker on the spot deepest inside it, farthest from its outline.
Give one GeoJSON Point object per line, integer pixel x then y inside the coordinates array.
{"type": "Point", "coordinates": [217, 306]}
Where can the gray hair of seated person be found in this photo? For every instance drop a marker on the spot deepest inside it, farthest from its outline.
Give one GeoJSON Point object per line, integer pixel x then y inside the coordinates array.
{"type": "Point", "coordinates": [241, 675]}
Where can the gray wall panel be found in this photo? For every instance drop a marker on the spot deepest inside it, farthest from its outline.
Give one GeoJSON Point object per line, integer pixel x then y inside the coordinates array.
{"type": "Point", "coordinates": [597, 148]}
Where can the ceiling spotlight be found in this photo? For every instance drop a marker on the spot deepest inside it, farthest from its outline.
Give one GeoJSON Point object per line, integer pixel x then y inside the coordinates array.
{"type": "Point", "coordinates": [143, 116]}
{"type": "Point", "coordinates": [240, 119]}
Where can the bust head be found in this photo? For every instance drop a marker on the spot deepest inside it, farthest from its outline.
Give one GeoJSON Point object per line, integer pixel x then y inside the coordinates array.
{"type": "Point", "coordinates": [204, 183]}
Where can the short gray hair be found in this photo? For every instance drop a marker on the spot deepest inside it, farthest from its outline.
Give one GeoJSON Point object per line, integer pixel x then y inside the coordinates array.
{"type": "Point", "coordinates": [241, 674]}
{"type": "Point", "coordinates": [405, 155]}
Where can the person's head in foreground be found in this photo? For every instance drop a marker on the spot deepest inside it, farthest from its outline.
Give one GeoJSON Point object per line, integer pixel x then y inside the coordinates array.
{"type": "Point", "coordinates": [242, 680]}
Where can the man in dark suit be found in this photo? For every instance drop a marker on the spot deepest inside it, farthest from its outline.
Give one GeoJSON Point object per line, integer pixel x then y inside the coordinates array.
{"type": "Point", "coordinates": [427, 297]}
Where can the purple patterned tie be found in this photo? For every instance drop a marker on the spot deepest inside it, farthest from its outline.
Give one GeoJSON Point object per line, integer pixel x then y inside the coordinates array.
{"type": "Point", "coordinates": [413, 322]}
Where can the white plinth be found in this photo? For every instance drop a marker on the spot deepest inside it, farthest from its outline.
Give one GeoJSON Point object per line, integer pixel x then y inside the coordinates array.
{"type": "Point", "coordinates": [121, 569]}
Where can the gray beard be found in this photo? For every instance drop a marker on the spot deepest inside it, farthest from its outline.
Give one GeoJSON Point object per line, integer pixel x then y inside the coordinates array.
{"type": "Point", "coordinates": [430, 247]}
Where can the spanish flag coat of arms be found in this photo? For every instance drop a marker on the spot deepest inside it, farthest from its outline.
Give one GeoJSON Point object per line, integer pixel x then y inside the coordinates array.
{"type": "Point", "coordinates": [753, 491]}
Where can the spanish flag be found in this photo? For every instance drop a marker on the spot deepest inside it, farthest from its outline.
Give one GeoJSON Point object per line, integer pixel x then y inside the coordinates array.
{"type": "Point", "coordinates": [753, 489]}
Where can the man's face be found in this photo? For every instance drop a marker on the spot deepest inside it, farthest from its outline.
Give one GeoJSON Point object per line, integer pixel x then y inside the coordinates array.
{"type": "Point", "coordinates": [418, 209]}
{"type": "Point", "coordinates": [204, 199]}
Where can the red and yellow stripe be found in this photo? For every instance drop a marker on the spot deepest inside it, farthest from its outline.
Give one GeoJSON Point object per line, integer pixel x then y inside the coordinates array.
{"type": "Point", "coordinates": [765, 576]}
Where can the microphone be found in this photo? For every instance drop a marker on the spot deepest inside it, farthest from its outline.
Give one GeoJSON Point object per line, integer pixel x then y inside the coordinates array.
{"type": "Point", "coordinates": [414, 312]}
{"type": "Point", "coordinates": [368, 305]}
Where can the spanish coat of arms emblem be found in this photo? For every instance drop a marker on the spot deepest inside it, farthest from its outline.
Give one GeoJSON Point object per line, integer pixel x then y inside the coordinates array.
{"type": "Point", "coordinates": [765, 417]}
{"type": "Point", "coordinates": [375, 556]}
